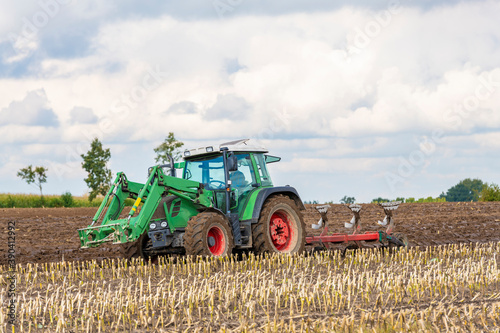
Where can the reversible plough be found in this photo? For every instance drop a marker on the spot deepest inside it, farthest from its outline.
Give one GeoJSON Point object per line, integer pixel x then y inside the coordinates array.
{"type": "Point", "coordinates": [357, 239]}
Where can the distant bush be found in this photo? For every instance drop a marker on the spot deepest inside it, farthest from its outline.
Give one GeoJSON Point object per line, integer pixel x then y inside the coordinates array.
{"type": "Point", "coordinates": [313, 202]}
{"type": "Point", "coordinates": [348, 200]}
{"type": "Point", "coordinates": [22, 200]}
{"type": "Point", "coordinates": [53, 202]}
{"type": "Point", "coordinates": [431, 199]}
{"type": "Point", "coordinates": [428, 199]}
{"type": "Point", "coordinates": [10, 202]}
{"type": "Point", "coordinates": [67, 199]}
{"type": "Point", "coordinates": [490, 193]}
{"type": "Point", "coordinates": [411, 200]}
{"type": "Point", "coordinates": [380, 200]}
{"type": "Point", "coordinates": [35, 201]}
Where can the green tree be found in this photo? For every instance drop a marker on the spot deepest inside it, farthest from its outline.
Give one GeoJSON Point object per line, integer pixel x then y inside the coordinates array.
{"type": "Point", "coordinates": [37, 175]}
{"type": "Point", "coordinates": [490, 193]}
{"type": "Point", "coordinates": [348, 200]}
{"type": "Point", "coordinates": [466, 190]}
{"type": "Point", "coordinates": [94, 162]}
{"type": "Point", "coordinates": [170, 146]}
{"type": "Point", "coordinates": [380, 200]}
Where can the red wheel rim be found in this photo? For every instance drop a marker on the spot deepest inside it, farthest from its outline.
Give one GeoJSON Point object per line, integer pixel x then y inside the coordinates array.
{"type": "Point", "coordinates": [281, 230]}
{"type": "Point", "coordinates": [219, 241]}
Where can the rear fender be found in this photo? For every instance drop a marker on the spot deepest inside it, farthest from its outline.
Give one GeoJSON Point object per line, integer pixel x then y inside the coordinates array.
{"type": "Point", "coordinates": [213, 210]}
{"type": "Point", "coordinates": [267, 193]}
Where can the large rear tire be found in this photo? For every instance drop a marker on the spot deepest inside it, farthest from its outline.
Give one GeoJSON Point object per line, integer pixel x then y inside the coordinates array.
{"type": "Point", "coordinates": [280, 227]}
{"type": "Point", "coordinates": [208, 234]}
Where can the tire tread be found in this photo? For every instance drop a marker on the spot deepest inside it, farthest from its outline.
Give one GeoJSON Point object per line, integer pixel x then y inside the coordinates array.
{"type": "Point", "coordinates": [261, 243]}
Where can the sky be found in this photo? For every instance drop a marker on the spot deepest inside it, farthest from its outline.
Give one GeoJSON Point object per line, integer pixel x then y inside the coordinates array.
{"type": "Point", "coordinates": [360, 98]}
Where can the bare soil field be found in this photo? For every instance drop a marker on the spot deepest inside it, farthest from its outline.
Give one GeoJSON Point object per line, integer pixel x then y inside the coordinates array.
{"type": "Point", "coordinates": [50, 234]}
{"type": "Point", "coordinates": [453, 287]}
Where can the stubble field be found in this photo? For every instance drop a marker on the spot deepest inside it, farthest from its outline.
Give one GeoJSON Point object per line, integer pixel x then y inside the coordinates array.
{"type": "Point", "coordinates": [449, 279]}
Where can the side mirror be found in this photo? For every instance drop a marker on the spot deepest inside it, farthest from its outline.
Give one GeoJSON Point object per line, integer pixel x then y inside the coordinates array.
{"type": "Point", "coordinates": [232, 162]}
{"type": "Point", "coordinates": [271, 159]}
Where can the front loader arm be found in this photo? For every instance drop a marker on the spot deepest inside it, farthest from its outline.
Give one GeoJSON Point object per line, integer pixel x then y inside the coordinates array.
{"type": "Point", "coordinates": [113, 202]}
{"type": "Point", "coordinates": [113, 229]}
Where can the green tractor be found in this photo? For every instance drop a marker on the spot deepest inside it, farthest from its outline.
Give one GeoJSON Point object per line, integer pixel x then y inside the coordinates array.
{"type": "Point", "coordinates": [224, 201]}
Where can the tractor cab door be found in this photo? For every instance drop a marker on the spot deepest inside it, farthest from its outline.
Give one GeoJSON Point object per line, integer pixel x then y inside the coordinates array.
{"type": "Point", "coordinates": [243, 181]}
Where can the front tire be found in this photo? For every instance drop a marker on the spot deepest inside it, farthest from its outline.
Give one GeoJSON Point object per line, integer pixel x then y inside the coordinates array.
{"type": "Point", "coordinates": [208, 234]}
{"type": "Point", "coordinates": [138, 249]}
{"type": "Point", "coordinates": [280, 227]}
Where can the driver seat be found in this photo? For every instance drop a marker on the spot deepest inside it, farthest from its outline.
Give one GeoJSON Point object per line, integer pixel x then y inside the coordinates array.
{"type": "Point", "coordinates": [238, 179]}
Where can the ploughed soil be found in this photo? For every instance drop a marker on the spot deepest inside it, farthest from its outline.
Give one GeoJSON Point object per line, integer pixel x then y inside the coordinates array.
{"type": "Point", "coordinates": [50, 234]}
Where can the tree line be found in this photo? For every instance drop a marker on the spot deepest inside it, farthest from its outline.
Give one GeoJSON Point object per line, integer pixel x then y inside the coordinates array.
{"type": "Point", "coordinates": [99, 177]}
{"type": "Point", "coordinates": [95, 161]}
{"type": "Point", "coordinates": [466, 190]}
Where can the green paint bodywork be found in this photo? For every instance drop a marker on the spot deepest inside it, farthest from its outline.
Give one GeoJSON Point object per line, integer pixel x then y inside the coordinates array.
{"type": "Point", "coordinates": [191, 195]}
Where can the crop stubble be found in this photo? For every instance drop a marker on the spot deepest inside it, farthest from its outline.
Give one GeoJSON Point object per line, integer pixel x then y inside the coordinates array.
{"type": "Point", "coordinates": [455, 287]}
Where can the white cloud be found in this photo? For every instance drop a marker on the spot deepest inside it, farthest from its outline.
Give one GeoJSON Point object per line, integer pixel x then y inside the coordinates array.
{"type": "Point", "coordinates": [33, 110]}
{"type": "Point", "coordinates": [83, 115]}
{"type": "Point", "coordinates": [345, 112]}
{"type": "Point", "coordinates": [183, 107]}
{"type": "Point", "coordinates": [229, 107]}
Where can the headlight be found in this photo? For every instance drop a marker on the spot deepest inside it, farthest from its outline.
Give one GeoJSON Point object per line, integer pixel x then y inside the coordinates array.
{"type": "Point", "coordinates": [152, 226]}
{"type": "Point", "coordinates": [163, 224]}
{"type": "Point", "coordinates": [209, 149]}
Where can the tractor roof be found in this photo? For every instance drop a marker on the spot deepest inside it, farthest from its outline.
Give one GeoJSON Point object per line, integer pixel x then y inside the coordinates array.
{"type": "Point", "coordinates": [236, 146]}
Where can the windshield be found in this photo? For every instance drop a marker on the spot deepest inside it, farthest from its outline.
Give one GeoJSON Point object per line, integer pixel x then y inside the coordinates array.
{"type": "Point", "coordinates": [210, 172]}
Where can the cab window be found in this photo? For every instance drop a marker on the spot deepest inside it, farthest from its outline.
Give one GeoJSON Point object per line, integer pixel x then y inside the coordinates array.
{"type": "Point", "coordinates": [244, 177]}
{"type": "Point", "coordinates": [262, 170]}
{"type": "Point", "coordinates": [210, 172]}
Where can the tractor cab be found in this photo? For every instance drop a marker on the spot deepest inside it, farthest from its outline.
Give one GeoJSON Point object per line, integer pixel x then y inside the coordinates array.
{"type": "Point", "coordinates": [236, 167]}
